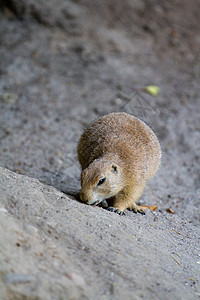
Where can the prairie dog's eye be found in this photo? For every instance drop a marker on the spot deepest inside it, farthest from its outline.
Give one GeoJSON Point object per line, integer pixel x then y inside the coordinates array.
{"type": "Point", "coordinates": [102, 180]}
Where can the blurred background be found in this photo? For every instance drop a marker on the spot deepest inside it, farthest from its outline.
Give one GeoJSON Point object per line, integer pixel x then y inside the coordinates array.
{"type": "Point", "coordinates": [65, 63]}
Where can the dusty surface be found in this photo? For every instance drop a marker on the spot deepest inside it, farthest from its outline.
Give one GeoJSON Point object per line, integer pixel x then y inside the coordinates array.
{"type": "Point", "coordinates": [62, 66]}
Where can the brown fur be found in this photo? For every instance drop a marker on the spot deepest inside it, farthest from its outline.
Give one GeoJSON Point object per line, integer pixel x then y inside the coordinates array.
{"type": "Point", "coordinates": [125, 152]}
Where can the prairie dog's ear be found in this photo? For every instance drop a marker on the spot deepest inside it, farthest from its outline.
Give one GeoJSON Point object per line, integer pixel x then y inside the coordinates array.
{"type": "Point", "coordinates": [114, 168]}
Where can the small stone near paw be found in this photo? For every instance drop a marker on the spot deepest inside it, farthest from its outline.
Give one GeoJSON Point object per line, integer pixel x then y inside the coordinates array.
{"type": "Point", "coordinates": [103, 204]}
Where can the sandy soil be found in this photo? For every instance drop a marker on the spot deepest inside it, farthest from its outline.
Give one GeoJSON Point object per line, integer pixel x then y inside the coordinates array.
{"type": "Point", "coordinates": [63, 65]}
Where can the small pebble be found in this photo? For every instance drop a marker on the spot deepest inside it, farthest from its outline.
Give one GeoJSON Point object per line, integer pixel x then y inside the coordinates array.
{"type": "Point", "coordinates": [19, 278]}
{"type": "Point", "coordinates": [9, 98]}
{"type": "Point", "coordinates": [77, 279]}
{"type": "Point", "coordinates": [2, 209]}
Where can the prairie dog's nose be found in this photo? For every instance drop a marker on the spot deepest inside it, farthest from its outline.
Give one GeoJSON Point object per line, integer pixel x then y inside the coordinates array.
{"type": "Point", "coordinates": [83, 198]}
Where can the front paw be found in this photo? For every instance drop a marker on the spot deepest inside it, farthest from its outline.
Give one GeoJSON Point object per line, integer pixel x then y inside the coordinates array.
{"type": "Point", "coordinates": [115, 210]}
{"type": "Point", "coordinates": [137, 209]}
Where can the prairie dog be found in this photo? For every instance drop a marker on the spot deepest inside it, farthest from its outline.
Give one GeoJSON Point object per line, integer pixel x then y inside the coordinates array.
{"type": "Point", "coordinates": [118, 154]}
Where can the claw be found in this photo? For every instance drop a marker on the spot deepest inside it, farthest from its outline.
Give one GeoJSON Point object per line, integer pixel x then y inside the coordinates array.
{"type": "Point", "coordinates": [110, 208]}
{"type": "Point", "coordinates": [117, 211]}
{"type": "Point", "coordinates": [142, 212]}
{"type": "Point", "coordinates": [137, 209]}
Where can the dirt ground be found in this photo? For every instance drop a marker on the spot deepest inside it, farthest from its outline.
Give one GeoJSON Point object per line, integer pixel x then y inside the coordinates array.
{"type": "Point", "coordinates": [62, 65]}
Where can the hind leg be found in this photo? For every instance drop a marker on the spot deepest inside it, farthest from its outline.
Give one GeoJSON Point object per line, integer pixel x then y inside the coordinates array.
{"type": "Point", "coordinates": [126, 199]}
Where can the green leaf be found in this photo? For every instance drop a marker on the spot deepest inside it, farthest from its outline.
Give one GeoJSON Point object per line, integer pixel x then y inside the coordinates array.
{"type": "Point", "coordinates": [152, 90]}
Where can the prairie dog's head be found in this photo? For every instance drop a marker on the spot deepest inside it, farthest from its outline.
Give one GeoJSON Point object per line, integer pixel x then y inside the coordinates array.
{"type": "Point", "coordinates": [101, 180]}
